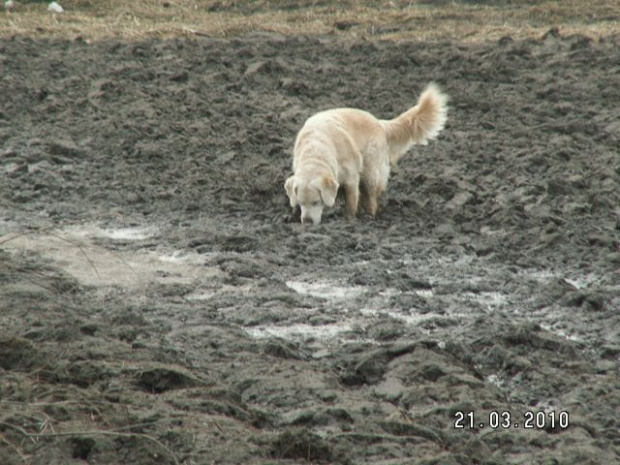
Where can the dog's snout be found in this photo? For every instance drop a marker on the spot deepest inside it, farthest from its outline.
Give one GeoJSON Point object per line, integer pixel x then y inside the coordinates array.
{"type": "Point", "coordinates": [309, 220]}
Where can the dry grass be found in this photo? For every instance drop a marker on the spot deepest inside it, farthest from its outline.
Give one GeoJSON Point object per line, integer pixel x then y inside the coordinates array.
{"type": "Point", "coordinates": [463, 20]}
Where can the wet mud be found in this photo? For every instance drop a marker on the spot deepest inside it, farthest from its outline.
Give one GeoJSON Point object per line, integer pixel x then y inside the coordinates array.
{"type": "Point", "coordinates": [160, 303]}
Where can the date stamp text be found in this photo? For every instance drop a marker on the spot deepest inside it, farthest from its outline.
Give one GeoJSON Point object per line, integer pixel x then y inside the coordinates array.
{"type": "Point", "coordinates": [542, 420]}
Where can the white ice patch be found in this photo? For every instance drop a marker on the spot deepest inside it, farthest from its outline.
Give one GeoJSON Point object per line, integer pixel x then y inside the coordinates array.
{"type": "Point", "coordinates": [494, 379]}
{"type": "Point", "coordinates": [299, 331]}
{"type": "Point", "coordinates": [129, 234]}
{"type": "Point", "coordinates": [578, 281]}
{"type": "Point", "coordinates": [539, 275]}
{"type": "Point", "coordinates": [561, 333]}
{"type": "Point", "coordinates": [584, 281]}
{"type": "Point", "coordinates": [192, 258]}
{"type": "Point", "coordinates": [489, 299]}
{"type": "Point", "coordinates": [326, 290]}
{"type": "Point", "coordinates": [425, 293]}
{"type": "Point", "coordinates": [391, 291]}
{"type": "Point", "coordinates": [121, 234]}
{"type": "Point", "coordinates": [408, 318]}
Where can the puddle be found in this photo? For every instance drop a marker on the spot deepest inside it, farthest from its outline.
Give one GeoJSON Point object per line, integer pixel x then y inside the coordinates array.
{"type": "Point", "coordinates": [74, 250]}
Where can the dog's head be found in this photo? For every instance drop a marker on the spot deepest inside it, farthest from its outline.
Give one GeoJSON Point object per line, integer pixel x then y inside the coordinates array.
{"type": "Point", "coordinates": [311, 195]}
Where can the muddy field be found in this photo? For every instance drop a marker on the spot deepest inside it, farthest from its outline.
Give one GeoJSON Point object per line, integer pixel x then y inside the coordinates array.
{"type": "Point", "coordinates": [160, 304]}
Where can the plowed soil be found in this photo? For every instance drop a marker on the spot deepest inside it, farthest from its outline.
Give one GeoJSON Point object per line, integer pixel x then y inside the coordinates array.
{"type": "Point", "coordinates": [161, 304]}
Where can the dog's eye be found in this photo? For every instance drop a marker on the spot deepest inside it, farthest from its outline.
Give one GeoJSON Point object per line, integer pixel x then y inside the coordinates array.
{"type": "Point", "coordinates": [316, 203]}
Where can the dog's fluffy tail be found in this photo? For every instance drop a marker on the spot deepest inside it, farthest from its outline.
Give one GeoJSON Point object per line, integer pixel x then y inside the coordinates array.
{"type": "Point", "coordinates": [419, 124]}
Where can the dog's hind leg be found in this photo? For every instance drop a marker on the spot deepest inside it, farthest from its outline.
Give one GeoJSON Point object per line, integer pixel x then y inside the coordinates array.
{"type": "Point", "coordinates": [371, 201]}
{"type": "Point", "coordinates": [373, 185]}
{"type": "Point", "coordinates": [351, 193]}
{"type": "Point", "coordinates": [369, 195]}
{"type": "Point", "coordinates": [365, 197]}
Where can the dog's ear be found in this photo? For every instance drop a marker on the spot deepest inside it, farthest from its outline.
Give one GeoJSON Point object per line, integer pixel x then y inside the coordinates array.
{"type": "Point", "coordinates": [291, 190]}
{"type": "Point", "coordinates": [329, 189]}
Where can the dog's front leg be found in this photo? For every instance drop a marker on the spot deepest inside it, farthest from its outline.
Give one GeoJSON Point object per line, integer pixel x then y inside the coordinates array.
{"type": "Point", "coordinates": [352, 195]}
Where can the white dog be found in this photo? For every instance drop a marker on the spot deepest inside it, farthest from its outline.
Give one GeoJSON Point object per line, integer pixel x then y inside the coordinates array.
{"type": "Point", "coordinates": [352, 149]}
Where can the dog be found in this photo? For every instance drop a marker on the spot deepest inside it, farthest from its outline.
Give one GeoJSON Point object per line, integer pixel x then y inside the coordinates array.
{"type": "Point", "coordinates": [350, 149]}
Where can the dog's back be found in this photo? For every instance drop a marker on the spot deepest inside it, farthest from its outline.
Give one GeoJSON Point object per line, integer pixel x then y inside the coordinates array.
{"type": "Point", "coordinates": [347, 128]}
